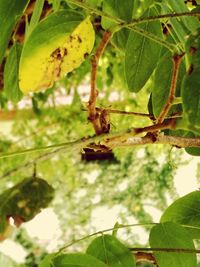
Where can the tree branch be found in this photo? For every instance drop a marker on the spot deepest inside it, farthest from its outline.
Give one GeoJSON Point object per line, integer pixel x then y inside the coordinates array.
{"type": "Point", "coordinates": [81, 143]}
{"type": "Point", "coordinates": [180, 142]}
{"type": "Point", "coordinates": [128, 138]}
{"type": "Point", "coordinates": [172, 91]}
{"type": "Point", "coordinates": [93, 114]}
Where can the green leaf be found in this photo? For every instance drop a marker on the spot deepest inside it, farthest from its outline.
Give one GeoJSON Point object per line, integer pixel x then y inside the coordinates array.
{"type": "Point", "coordinates": [47, 261]}
{"type": "Point", "coordinates": [194, 151]}
{"type": "Point", "coordinates": [11, 74]}
{"type": "Point", "coordinates": [122, 10]}
{"type": "Point", "coordinates": [110, 250]}
{"type": "Point", "coordinates": [119, 9]}
{"type": "Point", "coordinates": [178, 6]}
{"type": "Point", "coordinates": [26, 199]}
{"type": "Point", "coordinates": [58, 45]}
{"type": "Point", "coordinates": [191, 83]}
{"type": "Point", "coordinates": [77, 260]}
{"type": "Point", "coordinates": [94, 3]}
{"type": "Point", "coordinates": [142, 54]}
{"type": "Point", "coordinates": [35, 16]}
{"type": "Point", "coordinates": [3, 222]}
{"type": "Point", "coordinates": [56, 5]}
{"type": "Point", "coordinates": [161, 84]}
{"type": "Point", "coordinates": [186, 211]}
{"type": "Point", "coordinates": [10, 13]}
{"type": "Point", "coordinates": [191, 96]}
{"type": "Point", "coordinates": [171, 235]}
{"type": "Point", "coordinates": [178, 30]}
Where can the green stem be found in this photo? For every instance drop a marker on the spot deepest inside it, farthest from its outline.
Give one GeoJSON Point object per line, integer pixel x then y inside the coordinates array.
{"type": "Point", "coordinates": [160, 17]}
{"type": "Point", "coordinates": [154, 38]}
{"type": "Point", "coordinates": [179, 250]}
{"type": "Point", "coordinates": [104, 231]}
{"type": "Point", "coordinates": [123, 24]}
{"type": "Point", "coordinates": [133, 249]}
{"type": "Point", "coordinates": [177, 100]}
{"type": "Point", "coordinates": [95, 11]}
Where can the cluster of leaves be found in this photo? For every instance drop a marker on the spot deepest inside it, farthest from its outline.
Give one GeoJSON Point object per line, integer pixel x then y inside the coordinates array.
{"type": "Point", "coordinates": [161, 50]}
{"type": "Point", "coordinates": [178, 226]}
{"type": "Point", "coordinates": [146, 47]}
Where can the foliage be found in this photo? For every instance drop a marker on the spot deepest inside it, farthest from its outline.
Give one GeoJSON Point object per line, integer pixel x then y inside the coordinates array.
{"type": "Point", "coordinates": [147, 55]}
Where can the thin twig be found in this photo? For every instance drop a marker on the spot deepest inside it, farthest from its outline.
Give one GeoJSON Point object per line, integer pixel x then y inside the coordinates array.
{"type": "Point", "coordinates": [172, 91]}
{"type": "Point", "coordinates": [174, 250]}
{"type": "Point", "coordinates": [116, 111]}
{"type": "Point", "coordinates": [164, 16]}
{"type": "Point", "coordinates": [30, 163]}
{"type": "Point", "coordinates": [139, 114]}
{"type": "Point", "coordinates": [123, 24]}
{"type": "Point", "coordinates": [93, 115]}
{"type": "Point", "coordinates": [105, 231]}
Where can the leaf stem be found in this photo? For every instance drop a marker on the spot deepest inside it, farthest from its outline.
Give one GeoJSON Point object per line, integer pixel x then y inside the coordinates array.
{"type": "Point", "coordinates": [104, 231]}
{"type": "Point", "coordinates": [179, 250]}
{"type": "Point", "coordinates": [93, 114]}
{"type": "Point", "coordinates": [172, 91]}
{"type": "Point", "coordinates": [171, 47]}
{"type": "Point", "coordinates": [123, 24]}
{"type": "Point", "coordinates": [160, 17]}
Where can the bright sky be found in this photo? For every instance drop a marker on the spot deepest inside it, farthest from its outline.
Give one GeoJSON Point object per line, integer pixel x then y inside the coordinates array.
{"type": "Point", "coordinates": [45, 226]}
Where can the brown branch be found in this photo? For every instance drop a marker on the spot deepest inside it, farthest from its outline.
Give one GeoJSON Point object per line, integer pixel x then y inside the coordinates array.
{"type": "Point", "coordinates": [111, 141]}
{"type": "Point", "coordinates": [179, 142]}
{"type": "Point", "coordinates": [93, 114]}
{"type": "Point", "coordinates": [172, 91]}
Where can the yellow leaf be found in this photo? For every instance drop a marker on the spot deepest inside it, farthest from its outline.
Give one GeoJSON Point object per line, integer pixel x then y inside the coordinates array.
{"type": "Point", "coordinates": [51, 61]}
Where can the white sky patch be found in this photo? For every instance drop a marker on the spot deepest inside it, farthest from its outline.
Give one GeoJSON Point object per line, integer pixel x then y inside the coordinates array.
{"type": "Point", "coordinates": [13, 250]}
{"type": "Point", "coordinates": [92, 176]}
{"type": "Point", "coordinates": [45, 228]}
{"type": "Point", "coordinates": [105, 217]}
{"type": "Point", "coordinates": [84, 92]}
{"type": "Point", "coordinates": [81, 193]}
{"type": "Point", "coordinates": [141, 153]}
{"type": "Point", "coordinates": [185, 179]}
{"type": "Point", "coordinates": [122, 186]}
{"type": "Point", "coordinates": [96, 199]}
{"type": "Point", "coordinates": [114, 96]}
{"type": "Point", "coordinates": [153, 211]}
